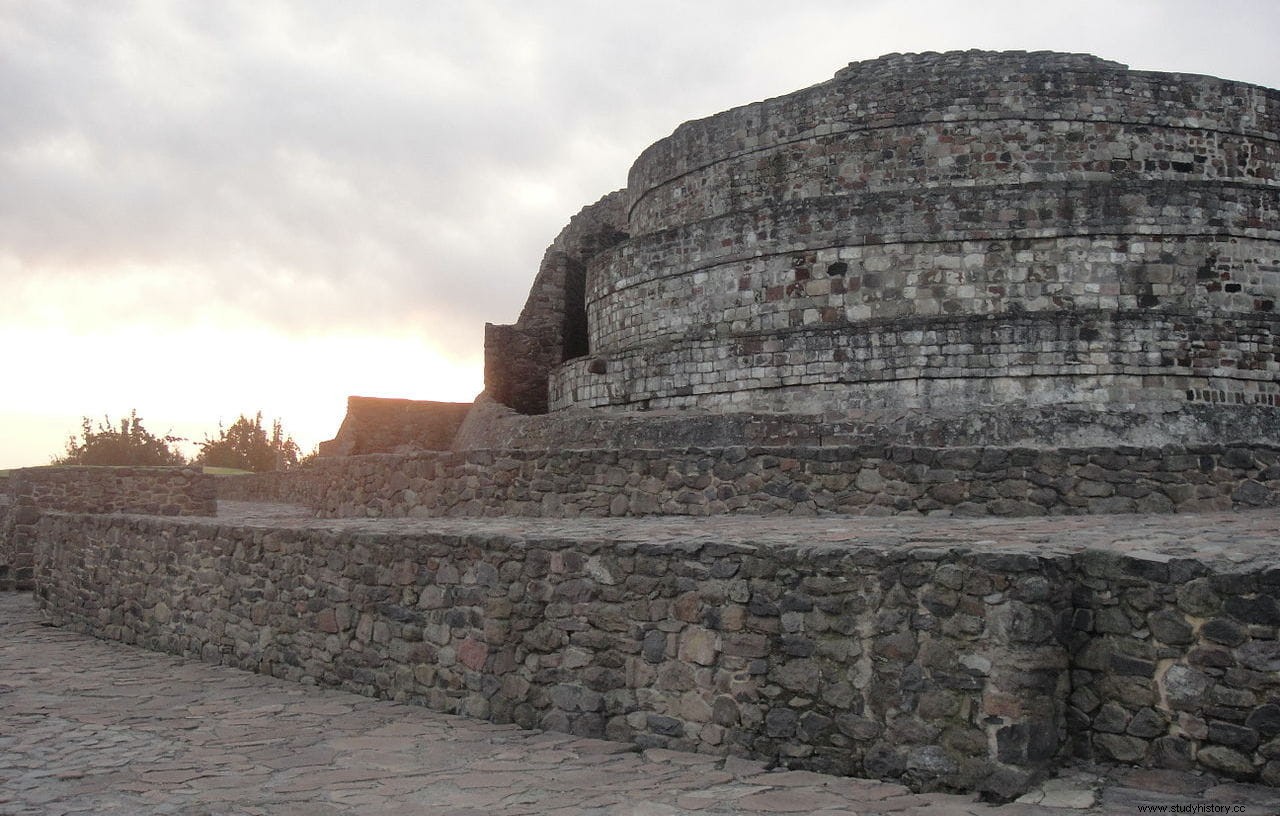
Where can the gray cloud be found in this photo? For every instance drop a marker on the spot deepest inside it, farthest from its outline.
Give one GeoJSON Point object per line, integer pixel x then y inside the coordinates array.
{"type": "Point", "coordinates": [328, 164]}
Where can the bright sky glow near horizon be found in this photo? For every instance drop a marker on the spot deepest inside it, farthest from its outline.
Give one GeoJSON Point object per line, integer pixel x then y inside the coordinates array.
{"type": "Point", "coordinates": [209, 209]}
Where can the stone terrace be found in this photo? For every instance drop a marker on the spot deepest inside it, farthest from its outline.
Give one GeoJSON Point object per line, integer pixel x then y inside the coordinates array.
{"type": "Point", "coordinates": [125, 731]}
{"type": "Point", "coordinates": [953, 653]}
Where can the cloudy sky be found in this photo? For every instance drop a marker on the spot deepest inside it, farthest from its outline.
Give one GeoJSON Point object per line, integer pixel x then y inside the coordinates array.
{"type": "Point", "coordinates": [215, 207]}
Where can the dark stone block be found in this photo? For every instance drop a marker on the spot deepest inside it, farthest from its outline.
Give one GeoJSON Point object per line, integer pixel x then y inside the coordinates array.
{"type": "Point", "coordinates": [794, 602]}
{"type": "Point", "coordinates": [797, 646]}
{"type": "Point", "coordinates": [1235, 736]}
{"type": "Point", "coordinates": [724, 568]}
{"type": "Point", "coordinates": [1227, 761]}
{"type": "Point", "coordinates": [1148, 723]}
{"type": "Point", "coordinates": [781, 722]}
{"type": "Point", "coordinates": [762, 606]}
{"type": "Point", "coordinates": [1026, 742]}
{"type": "Point", "coordinates": [1265, 719]}
{"type": "Point", "coordinates": [1132, 666]}
{"type": "Point", "coordinates": [1252, 493]}
{"type": "Point", "coordinates": [1111, 719]}
{"type": "Point", "coordinates": [813, 727]}
{"type": "Point", "coordinates": [1172, 752]}
{"type": "Point", "coordinates": [724, 711]}
{"type": "Point", "coordinates": [654, 646]}
{"type": "Point", "coordinates": [667, 726]}
{"type": "Point", "coordinates": [884, 761]}
{"type": "Point", "coordinates": [1169, 627]}
{"type": "Point", "coordinates": [1258, 609]}
{"type": "Point", "coordinates": [1220, 630]}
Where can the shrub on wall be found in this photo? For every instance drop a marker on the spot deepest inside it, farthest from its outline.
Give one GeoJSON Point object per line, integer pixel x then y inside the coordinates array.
{"type": "Point", "coordinates": [247, 446]}
{"type": "Point", "coordinates": [130, 444]}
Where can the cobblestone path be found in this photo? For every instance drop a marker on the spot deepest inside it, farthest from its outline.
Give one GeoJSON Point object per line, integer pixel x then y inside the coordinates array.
{"type": "Point", "coordinates": [91, 727]}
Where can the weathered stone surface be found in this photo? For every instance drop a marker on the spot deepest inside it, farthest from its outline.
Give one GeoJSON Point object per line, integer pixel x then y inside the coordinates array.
{"type": "Point", "coordinates": [755, 247]}
{"type": "Point", "coordinates": [851, 643]}
{"type": "Point", "coordinates": [27, 492]}
{"type": "Point", "coordinates": [576, 483]}
{"type": "Point", "coordinates": [1227, 761]}
{"type": "Point", "coordinates": [379, 425]}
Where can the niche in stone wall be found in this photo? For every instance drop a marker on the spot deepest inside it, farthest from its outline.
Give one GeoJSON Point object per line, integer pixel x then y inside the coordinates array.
{"type": "Point", "coordinates": [574, 334]}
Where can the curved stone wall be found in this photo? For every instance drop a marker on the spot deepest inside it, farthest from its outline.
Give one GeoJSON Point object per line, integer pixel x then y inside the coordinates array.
{"type": "Point", "coordinates": [799, 253]}
{"type": "Point", "coordinates": [961, 118]}
{"type": "Point", "coordinates": [1130, 359]}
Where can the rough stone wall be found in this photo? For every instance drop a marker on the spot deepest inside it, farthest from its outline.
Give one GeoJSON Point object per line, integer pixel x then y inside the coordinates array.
{"type": "Point", "coordinates": [921, 120]}
{"type": "Point", "coordinates": [1132, 359]}
{"type": "Point", "coordinates": [493, 427]}
{"type": "Point", "coordinates": [15, 557]}
{"type": "Point", "coordinates": [552, 327]}
{"type": "Point", "coordinates": [1177, 666]}
{"type": "Point", "coordinates": [31, 491]}
{"type": "Point", "coordinates": [161, 491]}
{"type": "Point", "coordinates": [866, 480]}
{"type": "Point", "coordinates": [935, 230]}
{"type": "Point", "coordinates": [974, 665]}
{"type": "Point", "coordinates": [923, 666]}
{"type": "Point", "coordinates": [377, 425]}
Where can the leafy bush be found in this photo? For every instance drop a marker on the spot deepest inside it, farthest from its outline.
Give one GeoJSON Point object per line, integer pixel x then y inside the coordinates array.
{"type": "Point", "coordinates": [130, 444]}
{"type": "Point", "coordinates": [246, 446]}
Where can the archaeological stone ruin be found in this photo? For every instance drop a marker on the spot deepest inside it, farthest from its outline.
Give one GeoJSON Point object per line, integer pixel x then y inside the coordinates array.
{"type": "Point", "coordinates": [921, 424]}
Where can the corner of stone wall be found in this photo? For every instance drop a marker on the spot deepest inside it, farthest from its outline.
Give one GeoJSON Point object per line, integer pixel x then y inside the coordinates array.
{"type": "Point", "coordinates": [1176, 665]}
{"type": "Point", "coordinates": [552, 326]}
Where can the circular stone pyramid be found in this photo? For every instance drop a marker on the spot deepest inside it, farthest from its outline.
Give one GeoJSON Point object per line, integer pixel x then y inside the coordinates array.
{"type": "Point", "coordinates": [946, 232]}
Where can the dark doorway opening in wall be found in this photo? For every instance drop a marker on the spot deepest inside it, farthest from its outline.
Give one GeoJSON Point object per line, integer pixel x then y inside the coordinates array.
{"type": "Point", "coordinates": [574, 333]}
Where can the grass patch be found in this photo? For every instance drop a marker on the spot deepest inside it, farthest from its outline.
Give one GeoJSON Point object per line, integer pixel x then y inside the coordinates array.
{"type": "Point", "coordinates": [221, 471]}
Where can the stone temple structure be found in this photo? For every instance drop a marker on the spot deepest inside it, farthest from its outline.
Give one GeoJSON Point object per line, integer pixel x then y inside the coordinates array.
{"type": "Point", "coordinates": [1070, 250]}
{"type": "Point", "coordinates": [947, 285]}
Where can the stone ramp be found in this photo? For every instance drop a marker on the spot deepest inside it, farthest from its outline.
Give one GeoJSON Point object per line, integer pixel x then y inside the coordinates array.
{"type": "Point", "coordinates": [104, 728]}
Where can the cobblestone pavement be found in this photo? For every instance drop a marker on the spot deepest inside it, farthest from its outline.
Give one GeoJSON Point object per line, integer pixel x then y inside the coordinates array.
{"type": "Point", "coordinates": [91, 727]}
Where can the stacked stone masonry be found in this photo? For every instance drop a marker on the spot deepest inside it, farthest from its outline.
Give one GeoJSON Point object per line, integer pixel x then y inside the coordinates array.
{"type": "Point", "coordinates": [949, 658]}
{"type": "Point", "coordinates": [933, 229]}
{"type": "Point", "coordinates": [1176, 665]}
{"type": "Point", "coordinates": [32, 491]}
{"type": "Point", "coordinates": [553, 324]}
{"type": "Point", "coordinates": [490, 426]}
{"type": "Point", "coordinates": [865, 480]}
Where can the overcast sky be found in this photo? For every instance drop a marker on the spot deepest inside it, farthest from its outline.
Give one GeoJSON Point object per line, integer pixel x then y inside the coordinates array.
{"type": "Point", "coordinates": [209, 208]}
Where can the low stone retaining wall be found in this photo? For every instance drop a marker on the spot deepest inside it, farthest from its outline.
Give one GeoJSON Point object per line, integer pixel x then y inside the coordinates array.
{"type": "Point", "coordinates": [15, 562]}
{"type": "Point", "coordinates": [863, 480]}
{"type": "Point", "coordinates": [1176, 665]}
{"type": "Point", "coordinates": [166, 491]}
{"type": "Point", "coordinates": [971, 664]}
{"type": "Point", "coordinates": [160, 491]}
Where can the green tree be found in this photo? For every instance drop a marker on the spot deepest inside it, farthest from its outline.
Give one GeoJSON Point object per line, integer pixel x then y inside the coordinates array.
{"type": "Point", "coordinates": [247, 446]}
{"type": "Point", "coordinates": [130, 444]}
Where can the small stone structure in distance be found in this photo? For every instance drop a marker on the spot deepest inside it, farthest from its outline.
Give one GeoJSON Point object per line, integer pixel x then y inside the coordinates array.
{"type": "Point", "coordinates": [937, 285]}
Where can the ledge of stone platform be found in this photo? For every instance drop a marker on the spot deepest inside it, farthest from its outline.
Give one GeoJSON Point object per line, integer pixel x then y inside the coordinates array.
{"type": "Point", "coordinates": [1239, 540]}
{"type": "Point", "coordinates": [970, 654]}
